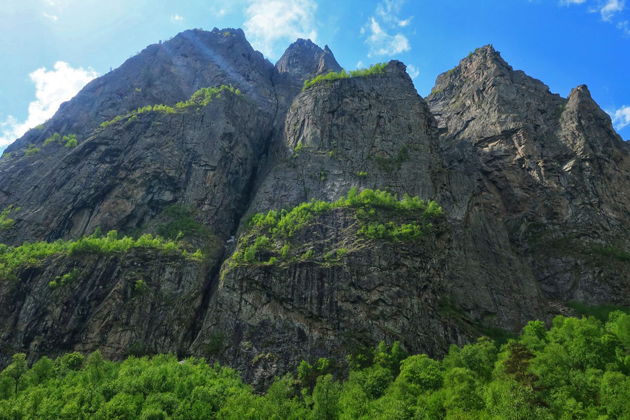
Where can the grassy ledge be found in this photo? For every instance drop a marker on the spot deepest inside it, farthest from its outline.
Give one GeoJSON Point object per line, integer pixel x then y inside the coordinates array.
{"type": "Point", "coordinates": [380, 216]}
{"type": "Point", "coordinates": [329, 77]}
{"type": "Point", "coordinates": [33, 254]}
{"type": "Point", "coordinates": [200, 98]}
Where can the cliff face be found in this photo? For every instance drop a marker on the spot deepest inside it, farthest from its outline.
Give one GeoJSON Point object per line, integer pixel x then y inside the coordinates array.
{"type": "Point", "coordinates": [534, 189]}
{"type": "Point", "coordinates": [537, 184]}
{"type": "Point", "coordinates": [133, 303]}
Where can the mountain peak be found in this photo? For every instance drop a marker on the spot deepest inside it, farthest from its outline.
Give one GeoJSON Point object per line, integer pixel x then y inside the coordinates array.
{"type": "Point", "coordinates": [304, 59]}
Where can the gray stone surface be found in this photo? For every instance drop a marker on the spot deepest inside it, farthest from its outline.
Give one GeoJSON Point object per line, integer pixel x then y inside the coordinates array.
{"type": "Point", "coordinates": [535, 188]}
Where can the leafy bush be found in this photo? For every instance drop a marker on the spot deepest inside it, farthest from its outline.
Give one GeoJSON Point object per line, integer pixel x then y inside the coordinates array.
{"type": "Point", "coordinates": [329, 77]}
{"type": "Point", "coordinates": [33, 254]}
{"type": "Point", "coordinates": [69, 140]}
{"type": "Point", "coordinates": [5, 221]}
{"type": "Point", "coordinates": [31, 150]}
{"type": "Point", "coordinates": [200, 98]}
{"type": "Point", "coordinates": [579, 368]}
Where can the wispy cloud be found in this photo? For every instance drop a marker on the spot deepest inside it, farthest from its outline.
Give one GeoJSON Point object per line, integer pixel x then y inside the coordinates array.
{"type": "Point", "coordinates": [271, 21]}
{"type": "Point", "coordinates": [570, 2]}
{"type": "Point", "coordinates": [389, 10]}
{"type": "Point", "coordinates": [382, 43]}
{"type": "Point", "coordinates": [382, 31]}
{"type": "Point", "coordinates": [52, 17]}
{"type": "Point", "coordinates": [624, 26]}
{"type": "Point", "coordinates": [621, 117]}
{"type": "Point", "coordinates": [52, 88]}
{"type": "Point", "coordinates": [610, 8]}
{"type": "Point", "coordinates": [177, 18]}
{"type": "Point", "coordinates": [413, 71]}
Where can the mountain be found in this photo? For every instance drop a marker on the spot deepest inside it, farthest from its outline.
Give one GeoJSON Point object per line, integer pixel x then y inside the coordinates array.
{"type": "Point", "coordinates": [330, 215]}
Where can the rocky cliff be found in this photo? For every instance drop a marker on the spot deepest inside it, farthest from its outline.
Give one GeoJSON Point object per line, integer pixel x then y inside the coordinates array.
{"type": "Point", "coordinates": [201, 140]}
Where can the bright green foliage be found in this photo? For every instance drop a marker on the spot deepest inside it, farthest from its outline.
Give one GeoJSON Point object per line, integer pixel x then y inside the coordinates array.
{"type": "Point", "coordinates": [36, 253]}
{"type": "Point", "coordinates": [329, 77]}
{"type": "Point", "coordinates": [65, 279]}
{"type": "Point", "coordinates": [52, 139]}
{"type": "Point", "coordinates": [5, 221]}
{"type": "Point", "coordinates": [73, 387]}
{"type": "Point", "coordinates": [381, 216]}
{"type": "Point", "coordinates": [69, 140]}
{"type": "Point", "coordinates": [578, 369]}
{"type": "Point", "coordinates": [379, 213]}
{"type": "Point", "coordinates": [31, 150]}
{"type": "Point", "coordinates": [200, 98]}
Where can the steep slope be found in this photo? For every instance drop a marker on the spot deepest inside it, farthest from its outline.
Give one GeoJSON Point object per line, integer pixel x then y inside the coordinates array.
{"type": "Point", "coordinates": [195, 136]}
{"type": "Point", "coordinates": [371, 132]}
{"type": "Point", "coordinates": [329, 286]}
{"type": "Point", "coordinates": [538, 189]}
{"type": "Point", "coordinates": [135, 302]}
{"type": "Point", "coordinates": [163, 73]}
{"type": "Point", "coordinates": [368, 132]}
{"type": "Point", "coordinates": [125, 175]}
{"type": "Point", "coordinates": [170, 169]}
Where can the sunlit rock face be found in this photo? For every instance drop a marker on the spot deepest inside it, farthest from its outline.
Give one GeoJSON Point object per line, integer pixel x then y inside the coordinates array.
{"type": "Point", "coordinates": [534, 189]}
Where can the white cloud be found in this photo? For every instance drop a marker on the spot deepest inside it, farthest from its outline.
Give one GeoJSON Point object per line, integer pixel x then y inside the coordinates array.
{"type": "Point", "coordinates": [52, 88]}
{"type": "Point", "coordinates": [54, 18]}
{"type": "Point", "coordinates": [382, 43]}
{"type": "Point", "coordinates": [405, 22]}
{"type": "Point", "coordinates": [360, 65]}
{"type": "Point", "coordinates": [388, 11]}
{"type": "Point", "coordinates": [413, 71]}
{"type": "Point", "coordinates": [624, 27]}
{"type": "Point", "coordinates": [621, 117]}
{"type": "Point", "coordinates": [177, 18]}
{"type": "Point", "coordinates": [270, 21]}
{"type": "Point", "coordinates": [570, 2]}
{"type": "Point", "coordinates": [383, 29]}
{"type": "Point", "coordinates": [610, 8]}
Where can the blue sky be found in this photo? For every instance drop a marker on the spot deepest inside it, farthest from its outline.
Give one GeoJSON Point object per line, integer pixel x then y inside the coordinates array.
{"type": "Point", "coordinates": [51, 48]}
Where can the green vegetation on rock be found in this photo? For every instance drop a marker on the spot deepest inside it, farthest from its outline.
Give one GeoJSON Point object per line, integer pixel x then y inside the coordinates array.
{"type": "Point", "coordinates": [69, 140]}
{"type": "Point", "coordinates": [200, 98]}
{"type": "Point", "coordinates": [180, 223]}
{"type": "Point", "coordinates": [31, 150]}
{"type": "Point", "coordinates": [5, 221]}
{"type": "Point", "coordinates": [577, 369]}
{"type": "Point", "coordinates": [33, 254]}
{"type": "Point", "coordinates": [332, 76]}
{"type": "Point", "coordinates": [600, 312]}
{"type": "Point", "coordinates": [380, 215]}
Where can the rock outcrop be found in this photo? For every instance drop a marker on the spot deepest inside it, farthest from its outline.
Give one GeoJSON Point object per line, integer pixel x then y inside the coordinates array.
{"type": "Point", "coordinates": [534, 189]}
{"type": "Point", "coordinates": [537, 188]}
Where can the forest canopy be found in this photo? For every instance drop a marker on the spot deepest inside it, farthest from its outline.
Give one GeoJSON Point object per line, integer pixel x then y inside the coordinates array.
{"type": "Point", "coordinates": [578, 368]}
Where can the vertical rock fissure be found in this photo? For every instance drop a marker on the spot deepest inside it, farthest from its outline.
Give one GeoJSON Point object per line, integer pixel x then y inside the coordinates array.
{"type": "Point", "coordinates": [212, 281]}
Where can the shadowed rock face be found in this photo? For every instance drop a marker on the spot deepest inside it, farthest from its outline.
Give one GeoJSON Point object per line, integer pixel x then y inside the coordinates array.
{"type": "Point", "coordinates": [534, 189]}
{"type": "Point", "coordinates": [535, 183]}
{"type": "Point", "coordinates": [137, 302]}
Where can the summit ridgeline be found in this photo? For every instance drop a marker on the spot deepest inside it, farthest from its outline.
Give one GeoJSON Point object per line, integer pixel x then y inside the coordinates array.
{"type": "Point", "coordinates": [200, 200]}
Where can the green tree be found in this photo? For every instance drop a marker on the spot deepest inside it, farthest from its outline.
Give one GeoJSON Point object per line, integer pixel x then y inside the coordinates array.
{"type": "Point", "coordinates": [17, 369]}
{"type": "Point", "coordinates": [326, 398]}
